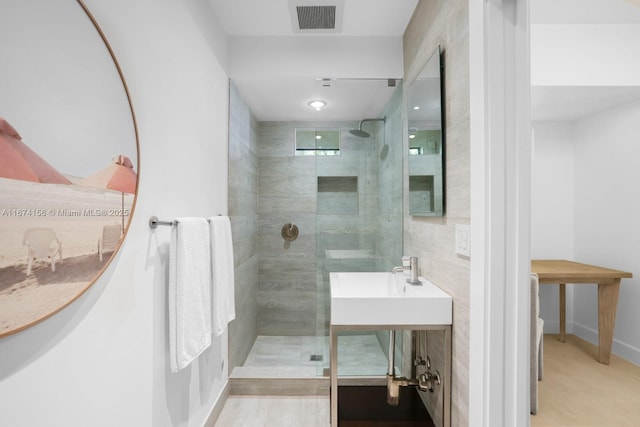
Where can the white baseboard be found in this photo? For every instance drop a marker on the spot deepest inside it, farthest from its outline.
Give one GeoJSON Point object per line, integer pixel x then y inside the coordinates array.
{"type": "Point", "coordinates": [620, 348]}
{"type": "Point", "coordinates": [217, 408]}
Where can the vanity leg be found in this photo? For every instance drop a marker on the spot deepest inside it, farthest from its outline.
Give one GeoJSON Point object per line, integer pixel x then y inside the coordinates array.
{"type": "Point", "coordinates": [563, 312]}
{"type": "Point", "coordinates": [333, 351]}
{"type": "Point", "coordinates": [446, 390]}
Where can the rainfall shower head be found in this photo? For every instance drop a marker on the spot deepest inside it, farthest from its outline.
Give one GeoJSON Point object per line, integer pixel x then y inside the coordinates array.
{"type": "Point", "coordinates": [362, 134]}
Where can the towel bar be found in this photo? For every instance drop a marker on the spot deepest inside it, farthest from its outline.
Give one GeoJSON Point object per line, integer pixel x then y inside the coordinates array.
{"type": "Point", "coordinates": [154, 222]}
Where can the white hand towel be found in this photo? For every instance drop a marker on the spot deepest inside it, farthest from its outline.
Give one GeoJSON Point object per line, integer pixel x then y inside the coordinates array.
{"type": "Point", "coordinates": [224, 308]}
{"type": "Point", "coordinates": [189, 291]}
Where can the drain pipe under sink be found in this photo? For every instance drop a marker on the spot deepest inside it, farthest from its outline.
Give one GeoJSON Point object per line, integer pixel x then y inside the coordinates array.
{"type": "Point", "coordinates": [392, 352]}
{"type": "Point", "coordinates": [393, 388]}
{"type": "Point", "coordinates": [426, 381]}
{"type": "Point", "coordinates": [393, 383]}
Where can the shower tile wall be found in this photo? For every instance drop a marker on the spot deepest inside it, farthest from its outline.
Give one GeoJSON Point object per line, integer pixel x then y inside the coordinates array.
{"type": "Point", "coordinates": [289, 300]}
{"type": "Point", "coordinates": [243, 201]}
{"type": "Point", "coordinates": [347, 241]}
{"type": "Point", "coordinates": [286, 194]}
{"type": "Point", "coordinates": [283, 289]}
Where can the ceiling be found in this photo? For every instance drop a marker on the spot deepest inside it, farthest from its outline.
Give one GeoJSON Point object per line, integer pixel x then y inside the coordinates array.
{"type": "Point", "coordinates": [285, 97]}
{"type": "Point", "coordinates": [570, 103]}
{"type": "Point", "coordinates": [273, 97]}
{"type": "Point", "coordinates": [241, 18]}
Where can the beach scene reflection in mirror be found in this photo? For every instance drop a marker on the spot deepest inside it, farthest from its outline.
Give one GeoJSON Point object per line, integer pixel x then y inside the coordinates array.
{"type": "Point", "coordinates": [68, 159]}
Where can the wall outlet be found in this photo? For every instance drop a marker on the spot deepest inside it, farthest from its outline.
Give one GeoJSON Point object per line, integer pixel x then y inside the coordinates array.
{"type": "Point", "coordinates": [463, 240]}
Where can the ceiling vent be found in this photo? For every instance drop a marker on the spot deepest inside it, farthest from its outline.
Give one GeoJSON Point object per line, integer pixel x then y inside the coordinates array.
{"type": "Point", "coordinates": [316, 16]}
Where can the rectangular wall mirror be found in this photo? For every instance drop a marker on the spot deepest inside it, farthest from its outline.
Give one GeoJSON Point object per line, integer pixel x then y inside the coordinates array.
{"type": "Point", "coordinates": [426, 140]}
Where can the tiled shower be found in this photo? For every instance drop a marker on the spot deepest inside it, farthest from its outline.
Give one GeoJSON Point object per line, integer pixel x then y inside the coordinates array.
{"type": "Point", "coordinates": [348, 210]}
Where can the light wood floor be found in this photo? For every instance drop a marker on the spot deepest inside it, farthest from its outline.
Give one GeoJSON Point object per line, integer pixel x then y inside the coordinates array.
{"type": "Point", "coordinates": [577, 391]}
{"type": "Point", "coordinates": [271, 411]}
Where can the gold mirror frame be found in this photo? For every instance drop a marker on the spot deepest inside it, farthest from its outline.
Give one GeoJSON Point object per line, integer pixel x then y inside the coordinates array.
{"type": "Point", "coordinates": [41, 285]}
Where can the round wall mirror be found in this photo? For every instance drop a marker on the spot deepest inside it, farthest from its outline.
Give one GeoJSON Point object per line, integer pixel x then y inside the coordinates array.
{"type": "Point", "coordinates": [68, 158]}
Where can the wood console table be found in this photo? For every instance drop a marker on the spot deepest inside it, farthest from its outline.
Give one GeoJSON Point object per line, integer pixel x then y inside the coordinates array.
{"type": "Point", "coordinates": [608, 280]}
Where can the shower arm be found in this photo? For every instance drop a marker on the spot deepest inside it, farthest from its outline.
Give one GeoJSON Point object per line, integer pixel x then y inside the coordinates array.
{"type": "Point", "coordinates": [384, 120]}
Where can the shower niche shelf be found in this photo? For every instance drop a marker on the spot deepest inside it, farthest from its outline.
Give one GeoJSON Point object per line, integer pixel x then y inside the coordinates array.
{"type": "Point", "coordinates": [421, 194]}
{"type": "Point", "coordinates": [338, 194]}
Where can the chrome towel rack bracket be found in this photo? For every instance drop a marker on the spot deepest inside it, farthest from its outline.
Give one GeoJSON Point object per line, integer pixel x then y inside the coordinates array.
{"type": "Point", "coordinates": [154, 222]}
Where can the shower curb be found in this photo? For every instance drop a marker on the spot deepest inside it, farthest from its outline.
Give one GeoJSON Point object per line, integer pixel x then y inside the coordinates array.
{"type": "Point", "coordinates": [295, 386]}
{"type": "Point", "coordinates": [279, 386]}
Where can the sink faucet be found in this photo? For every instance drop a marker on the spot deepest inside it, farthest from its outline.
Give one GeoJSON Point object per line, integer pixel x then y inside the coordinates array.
{"type": "Point", "coordinates": [406, 265]}
{"type": "Point", "coordinates": [409, 264]}
{"type": "Point", "coordinates": [413, 268]}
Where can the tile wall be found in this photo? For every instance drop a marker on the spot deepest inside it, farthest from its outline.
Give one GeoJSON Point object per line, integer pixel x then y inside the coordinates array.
{"type": "Point", "coordinates": [290, 301]}
{"type": "Point", "coordinates": [243, 202]}
{"type": "Point", "coordinates": [446, 23]}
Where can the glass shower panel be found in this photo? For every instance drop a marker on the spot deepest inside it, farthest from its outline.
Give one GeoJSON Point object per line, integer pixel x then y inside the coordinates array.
{"type": "Point", "coordinates": [351, 224]}
{"type": "Point", "coordinates": [345, 238]}
{"type": "Point", "coordinates": [344, 195]}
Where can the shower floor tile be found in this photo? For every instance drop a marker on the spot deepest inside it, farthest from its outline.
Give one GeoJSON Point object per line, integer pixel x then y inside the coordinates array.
{"type": "Point", "coordinates": [292, 356]}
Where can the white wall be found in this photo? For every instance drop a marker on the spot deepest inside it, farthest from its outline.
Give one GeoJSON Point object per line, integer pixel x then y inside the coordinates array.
{"type": "Point", "coordinates": [585, 55]}
{"type": "Point", "coordinates": [584, 207]}
{"type": "Point", "coordinates": [552, 212]}
{"type": "Point", "coordinates": [606, 223]}
{"type": "Point", "coordinates": [103, 360]}
{"type": "Point", "coordinates": [38, 104]}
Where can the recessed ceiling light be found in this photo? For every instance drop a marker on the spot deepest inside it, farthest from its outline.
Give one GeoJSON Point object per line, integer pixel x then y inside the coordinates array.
{"type": "Point", "coordinates": [317, 104]}
{"type": "Point", "coordinates": [318, 136]}
{"type": "Point", "coordinates": [417, 107]}
{"type": "Point", "coordinates": [412, 136]}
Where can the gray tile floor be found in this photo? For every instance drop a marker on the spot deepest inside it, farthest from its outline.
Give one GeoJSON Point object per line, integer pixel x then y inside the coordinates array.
{"type": "Point", "coordinates": [296, 356]}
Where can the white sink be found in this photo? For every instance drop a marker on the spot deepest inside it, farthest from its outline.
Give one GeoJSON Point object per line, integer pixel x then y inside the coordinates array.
{"type": "Point", "coordinates": [386, 299]}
